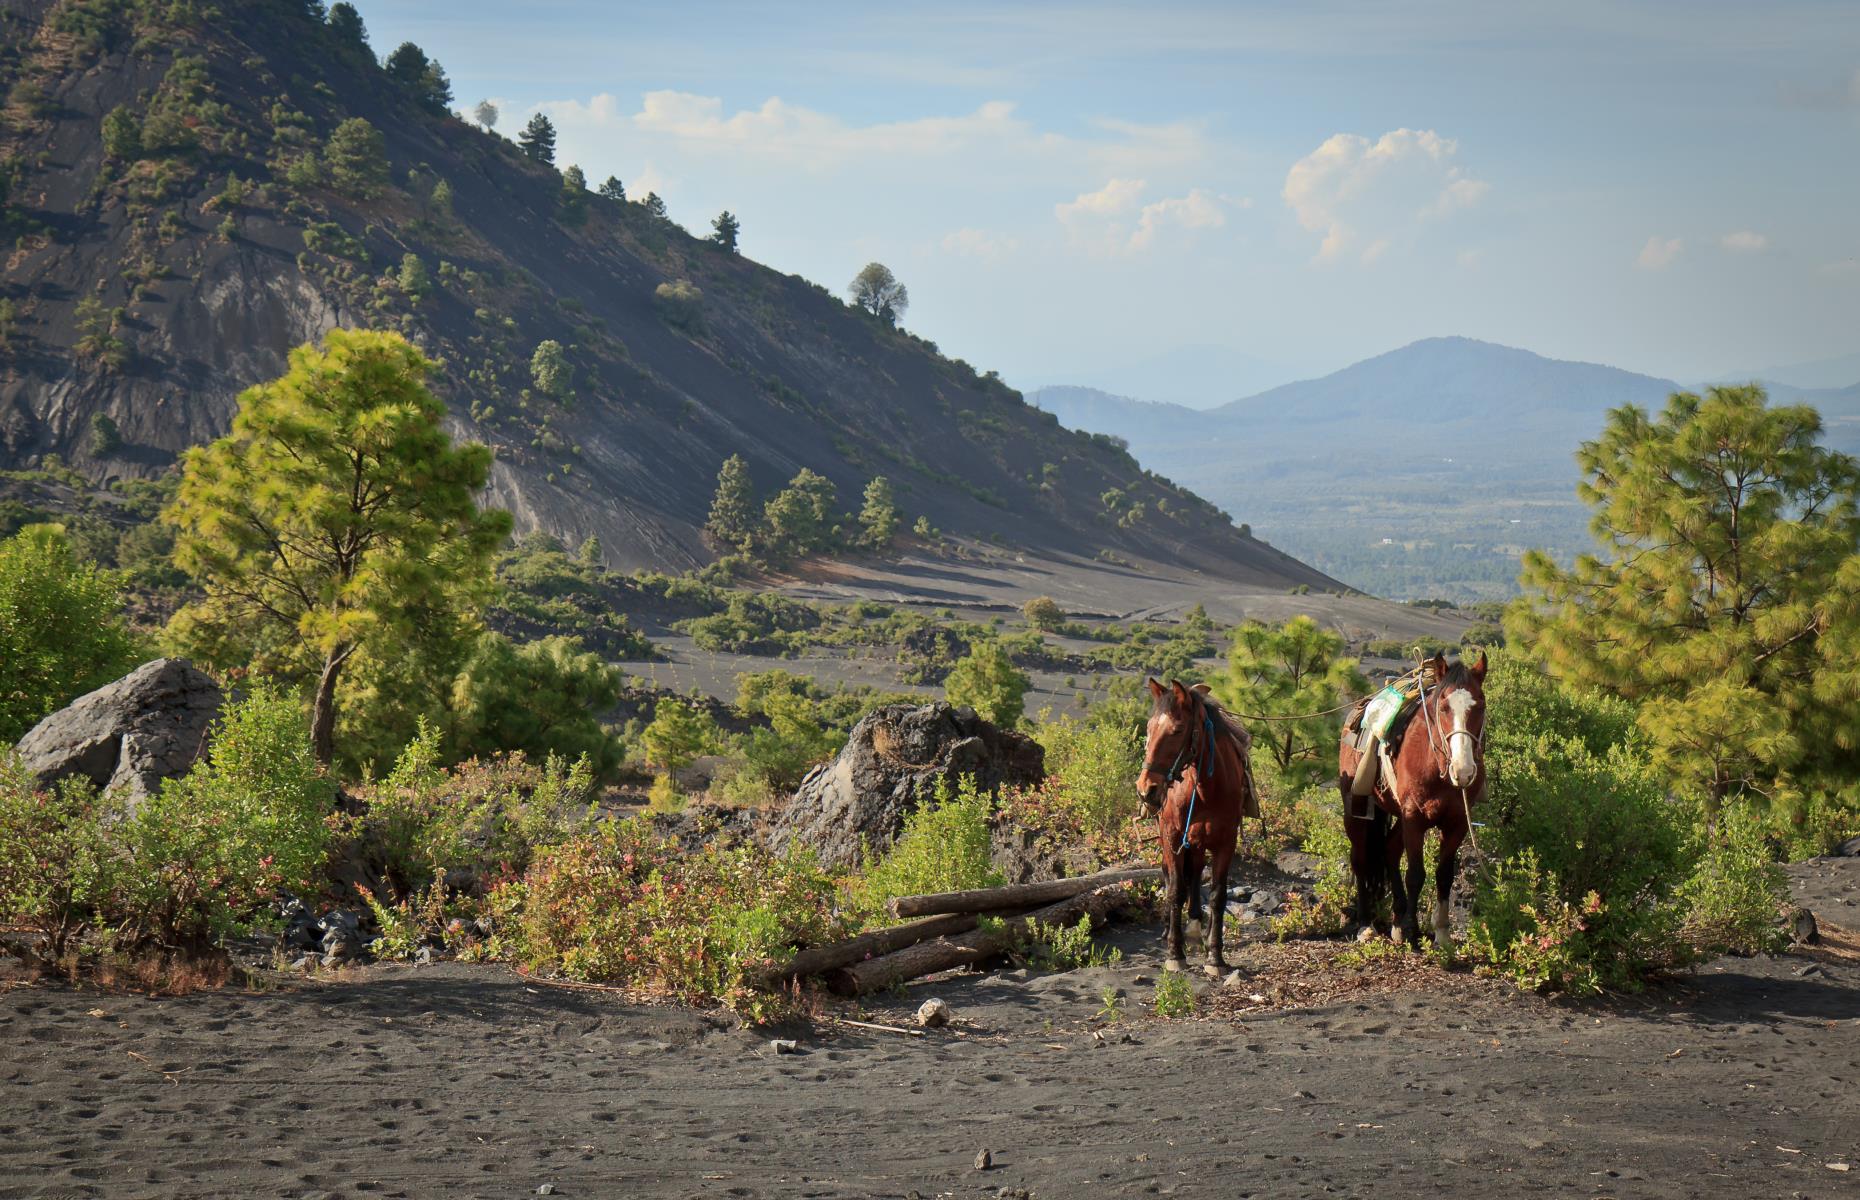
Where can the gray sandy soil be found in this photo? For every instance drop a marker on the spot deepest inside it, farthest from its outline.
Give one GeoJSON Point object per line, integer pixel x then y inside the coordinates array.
{"type": "Point", "coordinates": [1740, 1081]}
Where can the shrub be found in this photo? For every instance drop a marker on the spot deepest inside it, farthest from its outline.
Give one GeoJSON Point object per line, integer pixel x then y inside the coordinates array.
{"type": "Point", "coordinates": [539, 697]}
{"type": "Point", "coordinates": [550, 370]}
{"type": "Point", "coordinates": [1175, 996]}
{"type": "Point", "coordinates": [681, 303]}
{"type": "Point", "coordinates": [356, 156]}
{"type": "Point", "coordinates": [1735, 897]}
{"type": "Point", "coordinates": [944, 847]}
{"type": "Point", "coordinates": [60, 632]}
{"type": "Point", "coordinates": [1327, 912]}
{"type": "Point", "coordinates": [987, 681]}
{"type": "Point", "coordinates": [622, 905]}
{"type": "Point", "coordinates": [480, 819]}
{"type": "Point", "coordinates": [1090, 767]}
{"type": "Point", "coordinates": [679, 733]}
{"type": "Point", "coordinates": [58, 869]}
{"type": "Point", "coordinates": [215, 845]}
{"type": "Point", "coordinates": [1589, 851]}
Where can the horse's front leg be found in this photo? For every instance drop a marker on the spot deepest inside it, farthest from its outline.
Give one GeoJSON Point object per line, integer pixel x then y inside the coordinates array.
{"type": "Point", "coordinates": [1174, 873]}
{"type": "Point", "coordinates": [1219, 864]}
{"type": "Point", "coordinates": [1445, 868]}
{"type": "Point", "coordinates": [1413, 843]}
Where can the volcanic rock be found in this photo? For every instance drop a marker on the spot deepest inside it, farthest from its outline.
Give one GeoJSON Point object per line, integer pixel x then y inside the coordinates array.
{"type": "Point", "coordinates": [148, 726]}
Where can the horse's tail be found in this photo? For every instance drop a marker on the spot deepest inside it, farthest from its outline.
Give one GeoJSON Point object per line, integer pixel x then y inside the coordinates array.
{"type": "Point", "coordinates": [1376, 846]}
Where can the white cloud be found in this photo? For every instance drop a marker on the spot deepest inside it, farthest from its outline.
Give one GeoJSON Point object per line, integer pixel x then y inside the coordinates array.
{"type": "Point", "coordinates": [1115, 220]}
{"type": "Point", "coordinates": [1745, 241]}
{"type": "Point", "coordinates": [980, 244]}
{"type": "Point", "coordinates": [1659, 253]}
{"type": "Point", "coordinates": [1362, 195]}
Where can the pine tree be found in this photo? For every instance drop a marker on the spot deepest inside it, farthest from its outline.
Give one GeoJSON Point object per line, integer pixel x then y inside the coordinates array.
{"type": "Point", "coordinates": [1726, 596]}
{"type": "Point", "coordinates": [655, 207]}
{"type": "Point", "coordinates": [1295, 669]}
{"type": "Point", "coordinates": [424, 77]}
{"type": "Point", "coordinates": [988, 682]}
{"type": "Point", "coordinates": [726, 229]}
{"type": "Point", "coordinates": [612, 189]}
{"type": "Point", "coordinates": [337, 514]}
{"type": "Point", "coordinates": [538, 139]}
{"type": "Point", "coordinates": [878, 518]}
{"type": "Point", "coordinates": [799, 518]}
{"type": "Point", "coordinates": [357, 158]}
{"type": "Point", "coordinates": [732, 524]}
{"type": "Point", "coordinates": [347, 25]}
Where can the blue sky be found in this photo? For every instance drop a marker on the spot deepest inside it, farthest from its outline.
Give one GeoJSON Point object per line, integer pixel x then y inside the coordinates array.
{"type": "Point", "coordinates": [1068, 189]}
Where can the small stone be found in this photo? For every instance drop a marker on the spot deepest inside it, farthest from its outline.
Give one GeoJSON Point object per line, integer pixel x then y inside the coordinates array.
{"type": "Point", "coordinates": [933, 1014]}
{"type": "Point", "coordinates": [547, 1189]}
{"type": "Point", "coordinates": [1849, 848]}
{"type": "Point", "coordinates": [984, 1159]}
{"type": "Point", "coordinates": [1140, 980]}
{"type": "Point", "coordinates": [785, 1046]}
{"type": "Point", "coordinates": [1232, 980]}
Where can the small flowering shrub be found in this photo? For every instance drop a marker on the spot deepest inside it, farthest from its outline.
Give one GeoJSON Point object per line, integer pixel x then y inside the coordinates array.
{"type": "Point", "coordinates": [57, 867]}
{"type": "Point", "coordinates": [619, 904]}
{"type": "Point", "coordinates": [1534, 936]}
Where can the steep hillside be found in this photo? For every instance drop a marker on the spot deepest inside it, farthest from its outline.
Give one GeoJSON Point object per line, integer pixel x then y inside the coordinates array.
{"type": "Point", "coordinates": [179, 222]}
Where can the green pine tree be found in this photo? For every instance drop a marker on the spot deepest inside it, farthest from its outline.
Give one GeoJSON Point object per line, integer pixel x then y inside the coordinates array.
{"type": "Point", "coordinates": [1725, 599]}
{"type": "Point", "coordinates": [538, 139]}
{"type": "Point", "coordinates": [733, 516]}
{"type": "Point", "coordinates": [726, 228]}
{"type": "Point", "coordinates": [988, 681]}
{"type": "Point", "coordinates": [878, 518]}
{"type": "Point", "coordinates": [336, 513]}
{"type": "Point", "coordinates": [1293, 670]}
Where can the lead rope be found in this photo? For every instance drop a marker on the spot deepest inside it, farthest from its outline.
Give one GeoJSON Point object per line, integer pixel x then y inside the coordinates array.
{"type": "Point", "coordinates": [1428, 718]}
{"type": "Point", "coordinates": [1194, 793]}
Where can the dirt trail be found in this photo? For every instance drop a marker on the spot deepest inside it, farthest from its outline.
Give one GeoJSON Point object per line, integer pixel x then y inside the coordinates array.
{"type": "Point", "coordinates": [1743, 1080]}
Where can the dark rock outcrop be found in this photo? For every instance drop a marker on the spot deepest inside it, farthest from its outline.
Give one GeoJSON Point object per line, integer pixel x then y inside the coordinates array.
{"type": "Point", "coordinates": [891, 763]}
{"type": "Point", "coordinates": [148, 726]}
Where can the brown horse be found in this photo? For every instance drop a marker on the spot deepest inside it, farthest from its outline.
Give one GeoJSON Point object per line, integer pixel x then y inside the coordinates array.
{"type": "Point", "coordinates": [1195, 772]}
{"type": "Point", "coordinates": [1439, 773]}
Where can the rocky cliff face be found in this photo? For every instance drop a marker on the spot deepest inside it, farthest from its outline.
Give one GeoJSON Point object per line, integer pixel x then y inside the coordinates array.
{"type": "Point", "coordinates": [152, 282]}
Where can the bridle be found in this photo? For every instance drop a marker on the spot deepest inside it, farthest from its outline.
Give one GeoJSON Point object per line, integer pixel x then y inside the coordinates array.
{"type": "Point", "coordinates": [1441, 748]}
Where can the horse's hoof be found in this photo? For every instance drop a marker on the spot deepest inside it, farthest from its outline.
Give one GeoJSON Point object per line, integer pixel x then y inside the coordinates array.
{"type": "Point", "coordinates": [1175, 964]}
{"type": "Point", "coordinates": [1215, 970]}
{"type": "Point", "coordinates": [1397, 935]}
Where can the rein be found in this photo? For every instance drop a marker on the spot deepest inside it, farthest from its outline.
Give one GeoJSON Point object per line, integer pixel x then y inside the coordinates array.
{"type": "Point", "coordinates": [1204, 767]}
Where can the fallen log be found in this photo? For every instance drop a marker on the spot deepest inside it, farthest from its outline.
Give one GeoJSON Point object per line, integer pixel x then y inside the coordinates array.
{"type": "Point", "coordinates": [947, 953]}
{"type": "Point", "coordinates": [818, 960]}
{"type": "Point", "coordinates": [1017, 895]}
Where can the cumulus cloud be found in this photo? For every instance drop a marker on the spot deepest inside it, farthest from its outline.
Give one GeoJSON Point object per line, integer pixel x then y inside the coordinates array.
{"type": "Point", "coordinates": [979, 243]}
{"type": "Point", "coordinates": [1745, 241]}
{"type": "Point", "coordinates": [1659, 253]}
{"type": "Point", "coordinates": [1362, 195]}
{"type": "Point", "coordinates": [1116, 220]}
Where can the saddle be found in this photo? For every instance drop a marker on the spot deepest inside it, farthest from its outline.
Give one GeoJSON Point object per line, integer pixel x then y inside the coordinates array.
{"type": "Point", "coordinates": [1382, 718]}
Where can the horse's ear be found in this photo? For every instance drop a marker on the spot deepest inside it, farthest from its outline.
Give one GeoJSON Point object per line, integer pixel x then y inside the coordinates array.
{"type": "Point", "coordinates": [1439, 663]}
{"type": "Point", "coordinates": [1201, 689]}
{"type": "Point", "coordinates": [1156, 689]}
{"type": "Point", "coordinates": [1181, 693]}
{"type": "Point", "coordinates": [1478, 668]}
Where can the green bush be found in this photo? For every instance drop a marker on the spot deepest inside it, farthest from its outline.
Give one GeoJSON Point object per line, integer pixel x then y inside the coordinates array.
{"type": "Point", "coordinates": [217, 844]}
{"type": "Point", "coordinates": [61, 634]}
{"type": "Point", "coordinates": [622, 905]}
{"type": "Point", "coordinates": [471, 822]}
{"type": "Point", "coordinates": [988, 681]}
{"type": "Point", "coordinates": [539, 697]}
{"type": "Point", "coordinates": [679, 733]}
{"type": "Point", "coordinates": [1736, 897]}
{"type": "Point", "coordinates": [944, 847]}
{"type": "Point", "coordinates": [1589, 851]}
{"type": "Point", "coordinates": [58, 868]}
{"type": "Point", "coordinates": [1091, 766]}
{"type": "Point", "coordinates": [1175, 996]}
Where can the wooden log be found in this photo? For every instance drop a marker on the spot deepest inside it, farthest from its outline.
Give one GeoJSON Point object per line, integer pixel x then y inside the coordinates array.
{"type": "Point", "coordinates": [1018, 895]}
{"type": "Point", "coordinates": [818, 960]}
{"type": "Point", "coordinates": [947, 953]}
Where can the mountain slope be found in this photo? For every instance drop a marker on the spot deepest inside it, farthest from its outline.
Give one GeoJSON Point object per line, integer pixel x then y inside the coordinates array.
{"type": "Point", "coordinates": [151, 283]}
{"type": "Point", "coordinates": [1420, 472]}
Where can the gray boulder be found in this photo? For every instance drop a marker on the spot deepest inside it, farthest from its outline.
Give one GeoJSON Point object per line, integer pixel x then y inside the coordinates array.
{"type": "Point", "coordinates": [148, 726]}
{"type": "Point", "coordinates": [891, 763]}
{"type": "Point", "coordinates": [1849, 848]}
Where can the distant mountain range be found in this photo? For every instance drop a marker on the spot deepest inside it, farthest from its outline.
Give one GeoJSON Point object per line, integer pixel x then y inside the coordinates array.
{"type": "Point", "coordinates": [1419, 472]}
